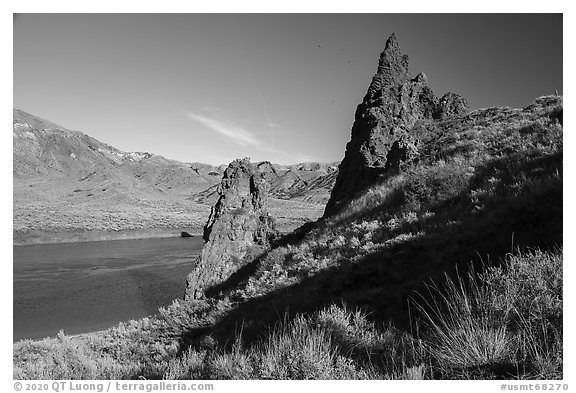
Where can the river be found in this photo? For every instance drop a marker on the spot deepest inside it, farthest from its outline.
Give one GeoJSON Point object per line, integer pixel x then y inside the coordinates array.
{"type": "Point", "coordinates": [89, 286]}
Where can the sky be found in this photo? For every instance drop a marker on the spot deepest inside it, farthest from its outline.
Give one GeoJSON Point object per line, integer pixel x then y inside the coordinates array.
{"type": "Point", "coordinates": [278, 87]}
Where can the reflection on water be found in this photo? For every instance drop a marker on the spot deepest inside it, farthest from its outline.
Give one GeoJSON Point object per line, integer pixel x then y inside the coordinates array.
{"type": "Point", "coordinates": [81, 287]}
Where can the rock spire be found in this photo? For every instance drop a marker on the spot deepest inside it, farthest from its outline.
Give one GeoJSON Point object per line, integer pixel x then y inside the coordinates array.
{"type": "Point", "coordinates": [239, 223]}
{"type": "Point", "coordinates": [381, 139]}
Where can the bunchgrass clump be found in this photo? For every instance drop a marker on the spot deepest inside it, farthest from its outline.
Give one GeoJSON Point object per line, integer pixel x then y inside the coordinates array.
{"type": "Point", "coordinates": [503, 322]}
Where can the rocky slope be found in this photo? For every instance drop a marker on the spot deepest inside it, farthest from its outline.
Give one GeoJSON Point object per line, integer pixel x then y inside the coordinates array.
{"type": "Point", "coordinates": [381, 137]}
{"type": "Point", "coordinates": [68, 185]}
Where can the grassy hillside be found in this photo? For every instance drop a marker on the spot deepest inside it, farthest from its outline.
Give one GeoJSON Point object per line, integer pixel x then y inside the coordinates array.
{"type": "Point", "coordinates": [449, 268]}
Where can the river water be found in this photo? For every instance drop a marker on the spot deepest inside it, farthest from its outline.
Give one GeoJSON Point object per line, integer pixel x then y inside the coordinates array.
{"type": "Point", "coordinates": [88, 286]}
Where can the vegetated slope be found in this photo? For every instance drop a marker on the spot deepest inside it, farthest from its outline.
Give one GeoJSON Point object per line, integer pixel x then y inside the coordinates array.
{"type": "Point", "coordinates": [485, 184]}
{"type": "Point", "coordinates": [67, 181]}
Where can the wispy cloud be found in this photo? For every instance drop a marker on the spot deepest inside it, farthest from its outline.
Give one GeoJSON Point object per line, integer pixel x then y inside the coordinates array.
{"type": "Point", "coordinates": [244, 138]}
{"type": "Point", "coordinates": [233, 133]}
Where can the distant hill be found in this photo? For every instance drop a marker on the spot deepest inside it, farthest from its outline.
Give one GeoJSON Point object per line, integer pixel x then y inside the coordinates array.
{"type": "Point", "coordinates": [44, 149]}
{"type": "Point", "coordinates": [67, 183]}
{"type": "Point", "coordinates": [307, 182]}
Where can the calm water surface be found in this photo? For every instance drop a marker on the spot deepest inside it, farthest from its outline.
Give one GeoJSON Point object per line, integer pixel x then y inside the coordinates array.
{"type": "Point", "coordinates": [82, 287]}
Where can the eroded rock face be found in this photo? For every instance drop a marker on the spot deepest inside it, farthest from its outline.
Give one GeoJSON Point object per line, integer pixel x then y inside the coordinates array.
{"type": "Point", "coordinates": [381, 138]}
{"type": "Point", "coordinates": [451, 104]}
{"type": "Point", "coordinates": [239, 223]}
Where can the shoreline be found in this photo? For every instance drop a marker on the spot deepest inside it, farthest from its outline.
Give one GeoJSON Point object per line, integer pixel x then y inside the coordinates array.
{"type": "Point", "coordinates": [73, 335]}
{"type": "Point", "coordinates": [39, 237]}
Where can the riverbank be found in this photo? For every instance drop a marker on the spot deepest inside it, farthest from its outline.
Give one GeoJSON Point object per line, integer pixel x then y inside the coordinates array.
{"type": "Point", "coordinates": [75, 236]}
{"type": "Point", "coordinates": [27, 238]}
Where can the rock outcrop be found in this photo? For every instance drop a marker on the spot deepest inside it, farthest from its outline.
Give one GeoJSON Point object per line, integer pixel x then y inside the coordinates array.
{"type": "Point", "coordinates": [451, 104]}
{"type": "Point", "coordinates": [239, 224]}
{"type": "Point", "coordinates": [381, 138]}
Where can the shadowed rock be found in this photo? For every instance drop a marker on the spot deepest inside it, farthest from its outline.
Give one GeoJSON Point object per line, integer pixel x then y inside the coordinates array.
{"type": "Point", "coordinates": [239, 224]}
{"type": "Point", "coordinates": [381, 138]}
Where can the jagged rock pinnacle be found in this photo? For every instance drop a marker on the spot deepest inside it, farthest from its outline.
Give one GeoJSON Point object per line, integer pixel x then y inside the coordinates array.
{"type": "Point", "coordinates": [393, 65]}
{"type": "Point", "coordinates": [239, 223]}
{"type": "Point", "coordinates": [381, 139]}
